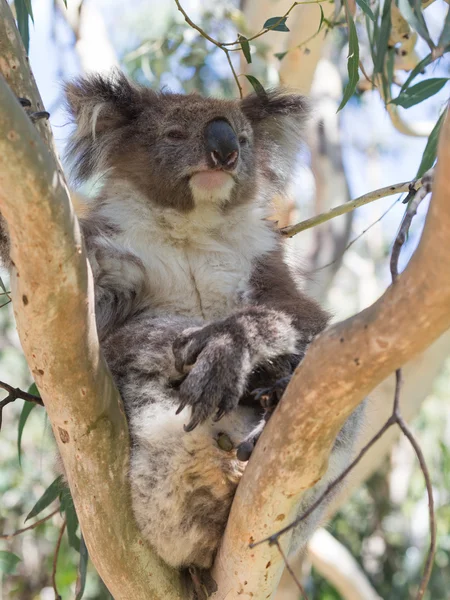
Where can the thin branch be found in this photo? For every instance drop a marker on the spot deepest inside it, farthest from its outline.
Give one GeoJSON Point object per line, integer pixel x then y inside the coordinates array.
{"type": "Point", "coordinates": [14, 394]}
{"type": "Point", "coordinates": [8, 536]}
{"type": "Point", "coordinates": [359, 236]}
{"type": "Point", "coordinates": [55, 561]}
{"type": "Point", "coordinates": [395, 418]}
{"type": "Point", "coordinates": [289, 569]}
{"type": "Point", "coordinates": [342, 209]}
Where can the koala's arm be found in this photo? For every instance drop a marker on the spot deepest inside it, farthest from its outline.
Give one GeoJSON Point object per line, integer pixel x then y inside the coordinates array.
{"type": "Point", "coordinates": [278, 320]}
{"type": "Point", "coordinates": [119, 278]}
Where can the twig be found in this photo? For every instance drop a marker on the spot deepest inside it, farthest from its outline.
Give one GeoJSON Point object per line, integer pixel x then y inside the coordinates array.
{"type": "Point", "coordinates": [14, 394]}
{"type": "Point", "coordinates": [8, 536]}
{"type": "Point", "coordinates": [417, 194]}
{"type": "Point", "coordinates": [359, 236]}
{"type": "Point", "coordinates": [224, 46]}
{"type": "Point", "coordinates": [342, 209]}
{"type": "Point", "coordinates": [289, 568]}
{"type": "Point", "coordinates": [55, 561]}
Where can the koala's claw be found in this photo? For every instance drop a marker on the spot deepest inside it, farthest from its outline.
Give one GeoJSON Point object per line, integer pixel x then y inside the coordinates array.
{"type": "Point", "coordinates": [24, 102]}
{"type": "Point", "coordinates": [34, 116]}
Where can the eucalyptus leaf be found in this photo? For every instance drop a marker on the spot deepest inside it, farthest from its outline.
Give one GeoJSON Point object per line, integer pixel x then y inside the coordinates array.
{"type": "Point", "coordinates": [419, 92]}
{"type": "Point", "coordinates": [82, 570]}
{"type": "Point", "coordinates": [276, 24]}
{"type": "Point", "coordinates": [29, 9]}
{"type": "Point", "coordinates": [49, 496]}
{"type": "Point", "coordinates": [429, 154]}
{"type": "Point", "coordinates": [257, 86]}
{"type": "Point", "coordinates": [364, 6]}
{"type": "Point", "coordinates": [382, 39]}
{"type": "Point", "coordinates": [68, 508]}
{"type": "Point", "coordinates": [417, 23]}
{"type": "Point", "coordinates": [417, 69]}
{"type": "Point", "coordinates": [8, 562]}
{"type": "Point", "coordinates": [26, 410]}
{"type": "Point", "coordinates": [23, 23]}
{"type": "Point", "coordinates": [245, 45]}
{"type": "Point", "coordinates": [353, 59]}
{"type": "Point", "coordinates": [444, 38]}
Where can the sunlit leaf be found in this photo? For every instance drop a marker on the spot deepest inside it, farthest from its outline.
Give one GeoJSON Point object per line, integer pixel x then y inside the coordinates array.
{"type": "Point", "coordinates": [415, 19]}
{"type": "Point", "coordinates": [22, 15]}
{"type": "Point", "coordinates": [8, 562]}
{"type": "Point", "coordinates": [419, 92]}
{"type": "Point", "coordinates": [26, 409]}
{"type": "Point", "coordinates": [364, 6]}
{"type": "Point", "coordinates": [276, 24]}
{"type": "Point", "coordinates": [257, 86]}
{"type": "Point", "coordinates": [444, 38]}
{"type": "Point", "coordinates": [245, 48]}
{"type": "Point", "coordinates": [50, 494]}
{"type": "Point", "coordinates": [429, 154]}
{"type": "Point", "coordinates": [82, 570]}
{"type": "Point", "coordinates": [353, 59]}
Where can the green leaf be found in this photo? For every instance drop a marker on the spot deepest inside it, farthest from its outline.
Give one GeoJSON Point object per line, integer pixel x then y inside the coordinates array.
{"type": "Point", "coordinates": [276, 24]}
{"type": "Point", "coordinates": [364, 6]}
{"type": "Point", "coordinates": [22, 23]}
{"type": "Point", "coordinates": [419, 92]}
{"type": "Point", "coordinates": [82, 570]}
{"type": "Point", "coordinates": [257, 86]}
{"type": "Point", "coordinates": [8, 562]}
{"type": "Point", "coordinates": [353, 59]}
{"type": "Point", "coordinates": [68, 508]}
{"type": "Point", "coordinates": [245, 48]}
{"type": "Point", "coordinates": [382, 39]}
{"type": "Point", "coordinates": [429, 154]}
{"type": "Point", "coordinates": [417, 69]}
{"type": "Point", "coordinates": [415, 19]}
{"type": "Point", "coordinates": [29, 9]}
{"type": "Point", "coordinates": [280, 55]}
{"type": "Point", "coordinates": [444, 38]}
{"type": "Point", "coordinates": [26, 409]}
{"type": "Point", "coordinates": [50, 494]}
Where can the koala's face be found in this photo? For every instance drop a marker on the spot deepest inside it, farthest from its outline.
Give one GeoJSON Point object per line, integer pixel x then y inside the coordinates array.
{"type": "Point", "coordinates": [179, 150]}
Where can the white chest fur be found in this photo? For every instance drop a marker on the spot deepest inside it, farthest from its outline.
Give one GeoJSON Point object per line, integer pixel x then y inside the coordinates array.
{"type": "Point", "coordinates": [198, 263]}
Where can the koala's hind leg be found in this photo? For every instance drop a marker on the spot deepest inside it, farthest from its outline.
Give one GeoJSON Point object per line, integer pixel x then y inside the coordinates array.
{"type": "Point", "coordinates": [182, 484]}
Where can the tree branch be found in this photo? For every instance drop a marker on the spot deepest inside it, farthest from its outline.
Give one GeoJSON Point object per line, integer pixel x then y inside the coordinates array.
{"type": "Point", "coordinates": [52, 292]}
{"type": "Point", "coordinates": [339, 370]}
{"type": "Point", "coordinates": [342, 209]}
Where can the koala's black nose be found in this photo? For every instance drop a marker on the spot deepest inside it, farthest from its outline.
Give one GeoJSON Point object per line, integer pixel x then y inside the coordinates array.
{"type": "Point", "coordinates": [222, 144]}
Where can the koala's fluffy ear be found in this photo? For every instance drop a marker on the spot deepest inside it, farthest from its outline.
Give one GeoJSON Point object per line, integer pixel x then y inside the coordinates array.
{"type": "Point", "coordinates": [103, 106]}
{"type": "Point", "coordinates": [278, 119]}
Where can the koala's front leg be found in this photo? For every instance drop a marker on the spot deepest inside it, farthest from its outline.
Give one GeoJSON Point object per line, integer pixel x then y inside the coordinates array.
{"type": "Point", "coordinates": [219, 358]}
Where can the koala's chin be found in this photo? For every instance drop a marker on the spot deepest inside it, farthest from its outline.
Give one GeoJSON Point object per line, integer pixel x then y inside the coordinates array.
{"type": "Point", "coordinates": [211, 186]}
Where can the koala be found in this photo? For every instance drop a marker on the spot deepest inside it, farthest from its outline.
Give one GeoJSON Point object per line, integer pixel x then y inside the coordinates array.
{"type": "Point", "coordinates": [198, 299]}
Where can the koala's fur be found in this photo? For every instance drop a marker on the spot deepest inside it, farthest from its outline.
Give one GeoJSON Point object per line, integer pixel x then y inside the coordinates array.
{"type": "Point", "coordinates": [196, 301]}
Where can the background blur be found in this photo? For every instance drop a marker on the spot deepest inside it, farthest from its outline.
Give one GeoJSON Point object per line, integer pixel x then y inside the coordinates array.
{"type": "Point", "coordinates": [382, 520]}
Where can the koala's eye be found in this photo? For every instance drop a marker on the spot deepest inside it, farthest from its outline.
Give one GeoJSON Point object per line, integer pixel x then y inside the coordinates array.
{"type": "Point", "coordinates": [243, 139]}
{"type": "Point", "coordinates": [176, 134]}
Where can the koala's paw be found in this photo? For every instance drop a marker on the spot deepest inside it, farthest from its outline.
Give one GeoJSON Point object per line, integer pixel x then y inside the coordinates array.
{"type": "Point", "coordinates": [216, 374]}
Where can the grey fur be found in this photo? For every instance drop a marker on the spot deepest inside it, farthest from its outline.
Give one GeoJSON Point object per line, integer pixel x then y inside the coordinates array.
{"type": "Point", "coordinates": [196, 302]}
